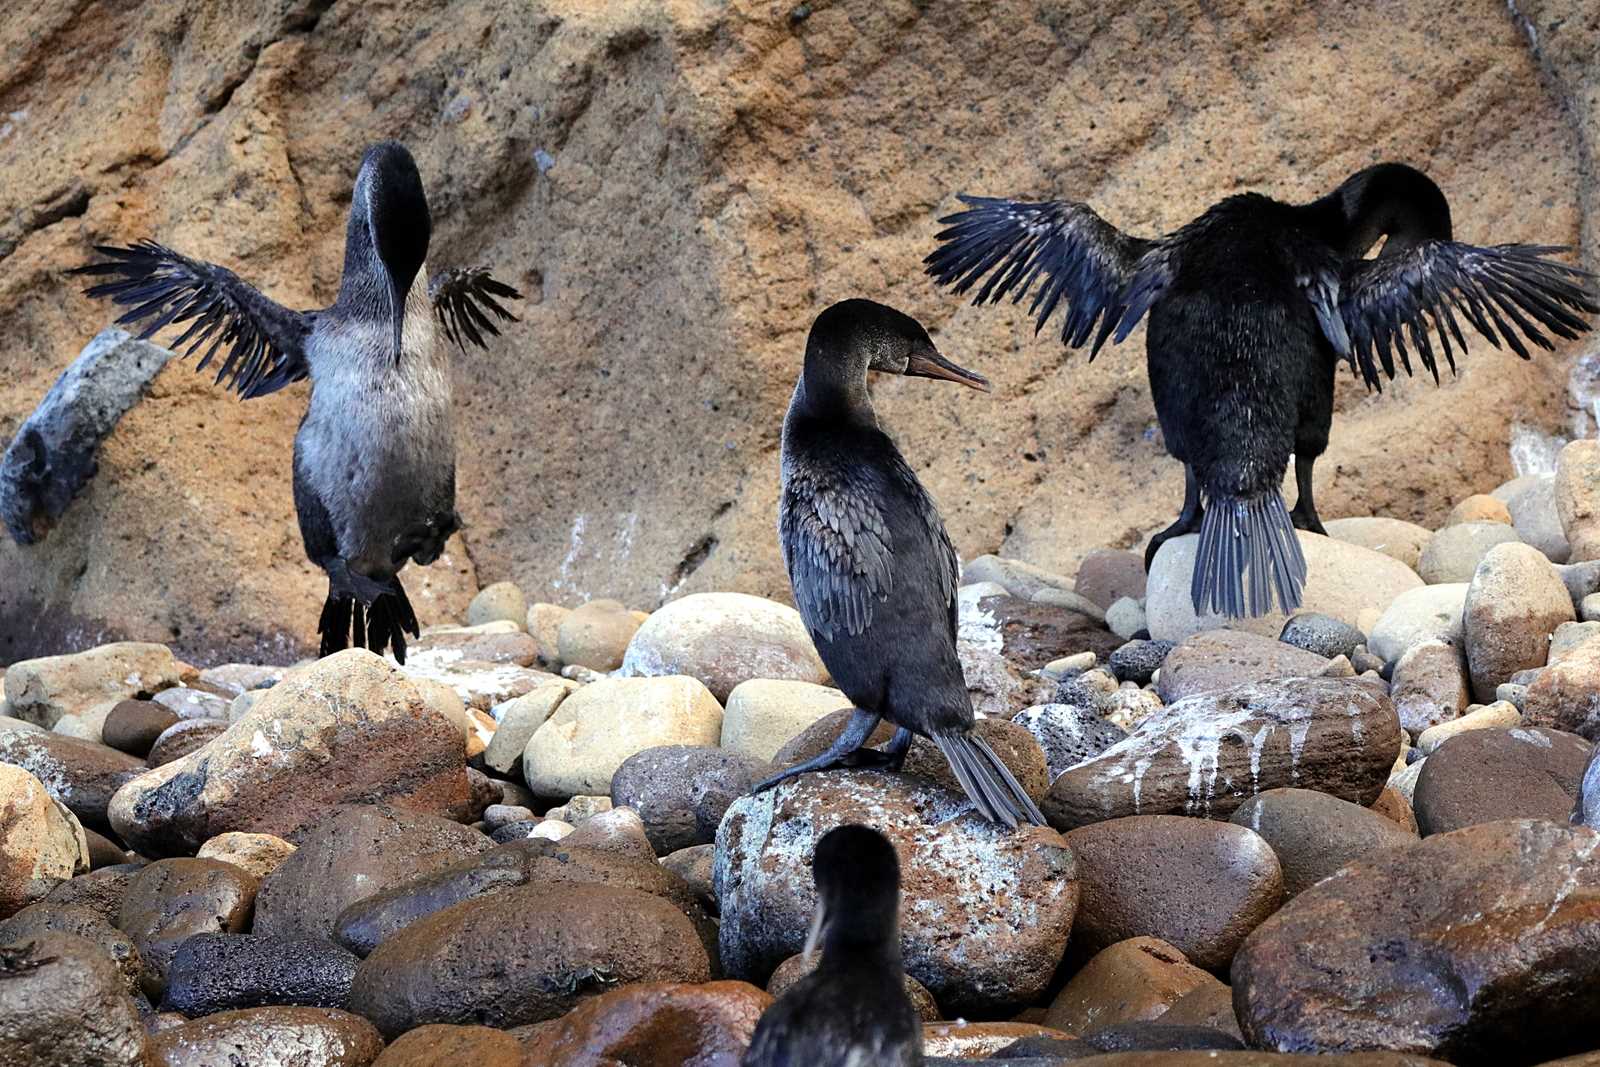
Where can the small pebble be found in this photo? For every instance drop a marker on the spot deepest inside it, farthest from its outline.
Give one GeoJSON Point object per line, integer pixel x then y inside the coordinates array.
{"type": "Point", "coordinates": [1068, 666]}
{"type": "Point", "coordinates": [1137, 661]}
{"type": "Point", "coordinates": [1500, 714]}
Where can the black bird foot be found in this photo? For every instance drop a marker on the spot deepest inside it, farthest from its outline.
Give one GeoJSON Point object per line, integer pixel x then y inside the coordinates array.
{"type": "Point", "coordinates": [890, 757]}
{"type": "Point", "coordinates": [1187, 523]}
{"type": "Point", "coordinates": [1306, 519]}
{"type": "Point", "coordinates": [844, 752]}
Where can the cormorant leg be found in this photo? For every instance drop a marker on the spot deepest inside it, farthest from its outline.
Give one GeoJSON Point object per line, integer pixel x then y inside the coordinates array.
{"type": "Point", "coordinates": [1304, 514]}
{"type": "Point", "coordinates": [856, 732]}
{"type": "Point", "coordinates": [891, 756]}
{"type": "Point", "coordinates": [1188, 518]}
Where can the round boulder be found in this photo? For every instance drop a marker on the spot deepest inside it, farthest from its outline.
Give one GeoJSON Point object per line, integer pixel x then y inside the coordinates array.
{"type": "Point", "coordinates": [1515, 602]}
{"type": "Point", "coordinates": [132, 726]}
{"type": "Point", "coordinates": [654, 1024]}
{"type": "Point", "coordinates": [63, 1003]}
{"type": "Point", "coordinates": [724, 639]}
{"type": "Point", "coordinates": [596, 635]}
{"type": "Point", "coordinates": [41, 842]}
{"type": "Point", "coordinates": [1314, 834]}
{"type": "Point", "coordinates": [764, 714]}
{"type": "Point", "coordinates": [172, 900]}
{"type": "Point", "coordinates": [315, 1037]}
{"type": "Point", "coordinates": [1453, 554]}
{"type": "Point", "coordinates": [681, 791]}
{"type": "Point", "coordinates": [1485, 775]}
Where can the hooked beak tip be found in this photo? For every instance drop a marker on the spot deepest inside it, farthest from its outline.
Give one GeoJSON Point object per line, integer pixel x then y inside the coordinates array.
{"type": "Point", "coordinates": [928, 363]}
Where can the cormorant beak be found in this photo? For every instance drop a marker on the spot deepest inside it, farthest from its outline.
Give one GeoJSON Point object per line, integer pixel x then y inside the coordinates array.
{"type": "Point", "coordinates": [926, 362]}
{"type": "Point", "coordinates": [814, 935]}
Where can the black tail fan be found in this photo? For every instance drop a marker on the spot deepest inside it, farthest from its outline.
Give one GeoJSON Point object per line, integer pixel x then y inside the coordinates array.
{"type": "Point", "coordinates": [1250, 539]}
{"type": "Point", "coordinates": [990, 784]}
{"type": "Point", "coordinates": [378, 626]}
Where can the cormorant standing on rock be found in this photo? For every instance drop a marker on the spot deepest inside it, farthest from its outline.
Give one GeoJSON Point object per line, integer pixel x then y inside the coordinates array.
{"type": "Point", "coordinates": [374, 459]}
{"type": "Point", "coordinates": [1251, 305]}
{"type": "Point", "coordinates": [852, 1011]}
{"type": "Point", "coordinates": [873, 571]}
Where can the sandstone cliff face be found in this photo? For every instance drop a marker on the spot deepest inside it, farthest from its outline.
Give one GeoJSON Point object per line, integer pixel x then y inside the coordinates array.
{"type": "Point", "coordinates": [679, 187]}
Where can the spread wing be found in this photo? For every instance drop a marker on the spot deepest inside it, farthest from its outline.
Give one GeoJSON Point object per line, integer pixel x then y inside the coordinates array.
{"type": "Point", "coordinates": [261, 343]}
{"type": "Point", "coordinates": [838, 550]}
{"type": "Point", "coordinates": [1505, 292]}
{"type": "Point", "coordinates": [1074, 255]}
{"type": "Point", "coordinates": [464, 298]}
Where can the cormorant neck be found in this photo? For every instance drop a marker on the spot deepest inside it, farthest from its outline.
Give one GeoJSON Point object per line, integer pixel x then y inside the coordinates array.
{"type": "Point", "coordinates": [1388, 200]}
{"type": "Point", "coordinates": [862, 929]}
{"type": "Point", "coordinates": [833, 383]}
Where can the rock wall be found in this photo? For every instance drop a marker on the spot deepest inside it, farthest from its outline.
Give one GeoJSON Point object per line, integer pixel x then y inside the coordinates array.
{"type": "Point", "coordinates": [679, 187]}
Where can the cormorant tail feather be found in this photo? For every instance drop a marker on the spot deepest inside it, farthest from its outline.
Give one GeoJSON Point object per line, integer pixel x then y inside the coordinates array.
{"type": "Point", "coordinates": [987, 781]}
{"type": "Point", "coordinates": [1248, 555]}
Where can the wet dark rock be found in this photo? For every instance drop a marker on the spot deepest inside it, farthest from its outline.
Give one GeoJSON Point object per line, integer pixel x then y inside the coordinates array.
{"type": "Point", "coordinates": [1158, 1036]}
{"type": "Point", "coordinates": [79, 921]}
{"type": "Point", "coordinates": [514, 831]}
{"type": "Point", "coordinates": [63, 1003]}
{"type": "Point", "coordinates": [104, 852]}
{"type": "Point", "coordinates": [356, 852]}
{"type": "Point", "coordinates": [182, 738]}
{"type": "Point", "coordinates": [1314, 834]}
{"type": "Point", "coordinates": [81, 774]}
{"type": "Point", "coordinates": [654, 1024]}
{"type": "Point", "coordinates": [1483, 775]}
{"type": "Point", "coordinates": [1322, 635]}
{"type": "Point", "coordinates": [173, 899]}
{"type": "Point", "coordinates": [682, 791]}
{"type": "Point", "coordinates": [1068, 734]}
{"type": "Point", "coordinates": [100, 891]}
{"type": "Point", "coordinates": [1132, 981]}
{"type": "Point", "coordinates": [440, 1044]}
{"type": "Point", "coordinates": [1137, 661]}
{"type": "Point", "coordinates": [223, 972]}
{"type": "Point", "coordinates": [269, 1037]}
{"type": "Point", "coordinates": [1032, 632]}
{"type": "Point", "coordinates": [797, 967]}
{"type": "Point", "coordinates": [132, 726]}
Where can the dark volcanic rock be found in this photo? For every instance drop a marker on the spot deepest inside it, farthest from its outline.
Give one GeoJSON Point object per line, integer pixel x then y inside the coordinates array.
{"type": "Point", "coordinates": [1137, 661]}
{"type": "Point", "coordinates": [1196, 884]}
{"type": "Point", "coordinates": [269, 1037]}
{"type": "Point", "coordinates": [1314, 834]}
{"type": "Point", "coordinates": [64, 1004]}
{"type": "Point", "coordinates": [79, 921]}
{"type": "Point", "coordinates": [1068, 734]}
{"type": "Point", "coordinates": [80, 774]}
{"type": "Point", "coordinates": [100, 891]}
{"type": "Point", "coordinates": [1207, 754]}
{"type": "Point", "coordinates": [358, 851]}
{"type": "Point", "coordinates": [1483, 775]}
{"type": "Point", "coordinates": [524, 956]}
{"type": "Point", "coordinates": [222, 972]}
{"type": "Point", "coordinates": [1215, 660]}
{"type": "Point", "coordinates": [133, 726]}
{"type": "Point", "coordinates": [1481, 946]}
{"type": "Point", "coordinates": [174, 899]}
{"type": "Point", "coordinates": [681, 791]}
{"type": "Point", "coordinates": [1321, 635]}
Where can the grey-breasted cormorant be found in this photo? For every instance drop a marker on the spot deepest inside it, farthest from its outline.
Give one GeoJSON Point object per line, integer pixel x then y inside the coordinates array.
{"type": "Point", "coordinates": [873, 571]}
{"type": "Point", "coordinates": [374, 458]}
{"type": "Point", "coordinates": [1251, 306]}
{"type": "Point", "coordinates": [852, 1011]}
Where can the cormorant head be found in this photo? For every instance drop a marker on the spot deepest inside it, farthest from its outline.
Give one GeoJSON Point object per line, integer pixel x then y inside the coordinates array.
{"type": "Point", "coordinates": [389, 200]}
{"type": "Point", "coordinates": [862, 335]}
{"type": "Point", "coordinates": [858, 891]}
{"type": "Point", "coordinates": [1393, 200]}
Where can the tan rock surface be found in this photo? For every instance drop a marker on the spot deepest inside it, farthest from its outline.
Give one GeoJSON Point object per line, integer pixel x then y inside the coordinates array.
{"type": "Point", "coordinates": [679, 189]}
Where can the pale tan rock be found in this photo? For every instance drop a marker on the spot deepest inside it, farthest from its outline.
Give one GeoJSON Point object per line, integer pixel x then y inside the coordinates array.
{"type": "Point", "coordinates": [519, 718]}
{"type": "Point", "coordinates": [1497, 716]}
{"type": "Point", "coordinates": [764, 714]}
{"type": "Point", "coordinates": [1453, 554]}
{"type": "Point", "coordinates": [1481, 507]}
{"type": "Point", "coordinates": [596, 635]}
{"type": "Point", "coordinates": [1578, 498]}
{"type": "Point", "coordinates": [43, 690]}
{"type": "Point", "coordinates": [544, 626]}
{"type": "Point", "coordinates": [1431, 613]}
{"type": "Point", "coordinates": [41, 842]}
{"type": "Point", "coordinates": [88, 724]}
{"type": "Point", "coordinates": [724, 639]}
{"type": "Point", "coordinates": [1513, 606]}
{"type": "Point", "coordinates": [480, 731]}
{"type": "Point", "coordinates": [1395, 538]}
{"type": "Point", "coordinates": [1430, 685]}
{"type": "Point", "coordinates": [259, 854]}
{"type": "Point", "coordinates": [500, 602]}
{"type": "Point", "coordinates": [593, 730]}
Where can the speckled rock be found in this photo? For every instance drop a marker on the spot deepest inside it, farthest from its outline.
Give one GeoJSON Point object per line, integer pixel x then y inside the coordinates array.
{"type": "Point", "coordinates": [269, 1037]}
{"type": "Point", "coordinates": [724, 639]}
{"type": "Point", "coordinates": [1106, 575]}
{"type": "Point", "coordinates": [441, 1043]}
{"type": "Point", "coordinates": [100, 891]}
{"type": "Point", "coordinates": [525, 955]}
{"type": "Point", "coordinates": [260, 854]}
{"type": "Point", "coordinates": [765, 714]}
{"type": "Point", "coordinates": [1027, 634]}
{"type": "Point", "coordinates": [797, 967]}
{"type": "Point", "coordinates": [1321, 635]}
{"type": "Point", "coordinates": [212, 972]}
{"type": "Point", "coordinates": [1565, 696]}
{"type": "Point", "coordinates": [1514, 604]}
{"type": "Point", "coordinates": [1345, 581]}
{"type": "Point", "coordinates": [1395, 538]}
{"type": "Point", "coordinates": [1138, 661]}
{"type": "Point", "coordinates": [1430, 685]}
{"type": "Point", "coordinates": [1197, 884]}
{"type": "Point", "coordinates": [1221, 659]}
{"type": "Point", "coordinates": [985, 913]}
{"type": "Point", "coordinates": [653, 1024]}
{"type": "Point", "coordinates": [1068, 734]}
{"type": "Point", "coordinates": [596, 635]}
{"type": "Point", "coordinates": [357, 851]}
{"type": "Point", "coordinates": [42, 690]}
{"type": "Point", "coordinates": [81, 774]}
{"type": "Point", "coordinates": [79, 921]}
{"type": "Point", "coordinates": [1494, 961]}
{"type": "Point", "coordinates": [1314, 834]}
{"type": "Point", "coordinates": [1499, 715]}
{"type": "Point", "coordinates": [348, 727]}
{"type": "Point", "coordinates": [41, 841]}
{"type": "Point", "coordinates": [1586, 808]}
{"type": "Point", "coordinates": [1137, 979]}
{"type": "Point", "coordinates": [1538, 522]}
{"type": "Point", "coordinates": [173, 899]}
{"type": "Point", "coordinates": [1453, 554]}
{"type": "Point", "coordinates": [1207, 754]}
{"type": "Point", "coordinates": [595, 729]}
{"type": "Point", "coordinates": [63, 1004]}
{"type": "Point", "coordinates": [132, 726]}
{"type": "Point", "coordinates": [681, 791]}
{"type": "Point", "coordinates": [1478, 777]}
{"type": "Point", "coordinates": [1432, 613]}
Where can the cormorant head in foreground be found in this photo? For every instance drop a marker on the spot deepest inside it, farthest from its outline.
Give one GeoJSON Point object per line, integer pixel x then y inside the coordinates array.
{"type": "Point", "coordinates": [387, 236]}
{"type": "Point", "coordinates": [1389, 199]}
{"type": "Point", "coordinates": [854, 336]}
{"type": "Point", "coordinates": [853, 1008]}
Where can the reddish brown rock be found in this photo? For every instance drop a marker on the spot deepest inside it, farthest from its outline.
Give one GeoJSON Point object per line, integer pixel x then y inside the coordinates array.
{"type": "Point", "coordinates": [348, 728]}
{"type": "Point", "coordinates": [358, 851]}
{"type": "Point", "coordinates": [1132, 980]}
{"type": "Point", "coordinates": [1209, 1006]}
{"type": "Point", "coordinates": [1314, 834]}
{"type": "Point", "coordinates": [182, 738]}
{"type": "Point", "coordinates": [985, 913]}
{"type": "Point", "coordinates": [680, 792]}
{"type": "Point", "coordinates": [64, 1004]}
{"type": "Point", "coordinates": [1566, 695]}
{"type": "Point", "coordinates": [1215, 660]}
{"type": "Point", "coordinates": [173, 899]}
{"type": "Point", "coordinates": [1198, 885]}
{"type": "Point", "coordinates": [524, 956]}
{"type": "Point", "coordinates": [132, 726]}
{"type": "Point", "coordinates": [654, 1024]}
{"type": "Point", "coordinates": [315, 1037]}
{"type": "Point", "coordinates": [1430, 685]}
{"type": "Point", "coordinates": [795, 968]}
{"type": "Point", "coordinates": [439, 1044]}
{"type": "Point", "coordinates": [1207, 754]}
{"type": "Point", "coordinates": [1393, 805]}
{"type": "Point", "coordinates": [79, 921]}
{"type": "Point", "coordinates": [1106, 575]}
{"type": "Point", "coordinates": [1481, 943]}
{"type": "Point", "coordinates": [1483, 775]}
{"type": "Point", "coordinates": [81, 774]}
{"type": "Point", "coordinates": [1033, 632]}
{"type": "Point", "coordinates": [100, 891]}
{"type": "Point", "coordinates": [1515, 602]}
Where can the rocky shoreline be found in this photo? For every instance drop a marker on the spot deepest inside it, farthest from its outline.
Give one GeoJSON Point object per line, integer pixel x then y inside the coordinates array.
{"type": "Point", "coordinates": [1357, 833]}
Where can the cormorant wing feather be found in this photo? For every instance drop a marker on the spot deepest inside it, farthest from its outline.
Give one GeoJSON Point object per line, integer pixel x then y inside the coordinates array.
{"type": "Point", "coordinates": [1505, 292]}
{"type": "Point", "coordinates": [262, 343]}
{"type": "Point", "coordinates": [838, 549]}
{"type": "Point", "coordinates": [463, 298]}
{"type": "Point", "coordinates": [1084, 261]}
